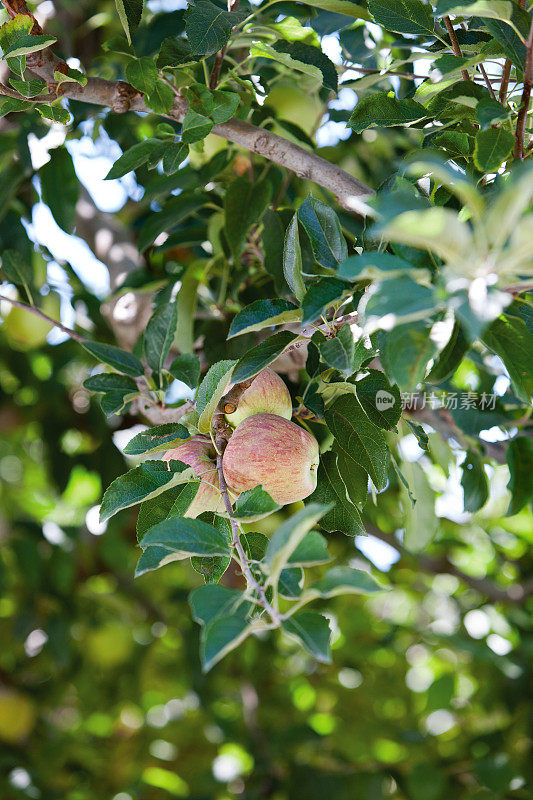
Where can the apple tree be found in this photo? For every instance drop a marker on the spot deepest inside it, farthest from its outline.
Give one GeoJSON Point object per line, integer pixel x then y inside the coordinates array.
{"type": "Point", "coordinates": [281, 254]}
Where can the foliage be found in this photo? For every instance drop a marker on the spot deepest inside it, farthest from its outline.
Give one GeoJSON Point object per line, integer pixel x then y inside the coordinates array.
{"type": "Point", "coordinates": [400, 318]}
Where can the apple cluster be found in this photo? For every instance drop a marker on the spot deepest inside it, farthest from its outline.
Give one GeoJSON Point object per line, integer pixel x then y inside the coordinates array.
{"type": "Point", "coordinates": [266, 448]}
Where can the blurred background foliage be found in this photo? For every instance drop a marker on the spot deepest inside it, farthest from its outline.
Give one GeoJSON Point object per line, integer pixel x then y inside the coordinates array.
{"type": "Point", "coordinates": [102, 696]}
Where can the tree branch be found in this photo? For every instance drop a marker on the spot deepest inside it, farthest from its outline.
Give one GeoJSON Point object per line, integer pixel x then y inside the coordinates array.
{"type": "Point", "coordinates": [121, 97]}
{"type": "Point", "coordinates": [38, 313]}
{"type": "Point", "coordinates": [520, 133]}
{"type": "Point", "coordinates": [455, 45]}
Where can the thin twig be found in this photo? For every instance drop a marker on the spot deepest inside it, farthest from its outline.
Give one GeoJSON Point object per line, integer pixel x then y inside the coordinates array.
{"type": "Point", "coordinates": [42, 315]}
{"type": "Point", "coordinates": [504, 85]}
{"type": "Point", "coordinates": [219, 58]}
{"type": "Point", "coordinates": [520, 133]}
{"type": "Point", "coordinates": [487, 81]}
{"type": "Point", "coordinates": [455, 45]}
{"type": "Point", "coordinates": [40, 98]}
{"type": "Point", "coordinates": [243, 559]}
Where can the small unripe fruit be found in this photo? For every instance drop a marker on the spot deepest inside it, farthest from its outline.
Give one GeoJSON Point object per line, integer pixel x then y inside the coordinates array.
{"type": "Point", "coordinates": [17, 715]}
{"type": "Point", "coordinates": [25, 330]}
{"type": "Point", "coordinates": [199, 453]}
{"type": "Point", "coordinates": [274, 452]}
{"type": "Point", "coordinates": [266, 395]}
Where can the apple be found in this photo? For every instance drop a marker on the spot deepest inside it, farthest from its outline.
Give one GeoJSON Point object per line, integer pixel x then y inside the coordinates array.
{"type": "Point", "coordinates": [294, 104]}
{"type": "Point", "coordinates": [17, 715]}
{"type": "Point", "coordinates": [199, 453]}
{"type": "Point", "coordinates": [272, 451]}
{"type": "Point", "coordinates": [266, 395]}
{"type": "Point", "coordinates": [25, 330]}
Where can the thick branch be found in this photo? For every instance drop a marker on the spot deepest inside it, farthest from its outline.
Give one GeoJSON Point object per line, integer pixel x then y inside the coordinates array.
{"type": "Point", "coordinates": [121, 97]}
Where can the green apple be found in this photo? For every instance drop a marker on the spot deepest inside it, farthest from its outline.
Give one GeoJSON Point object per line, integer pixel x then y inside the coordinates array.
{"type": "Point", "coordinates": [274, 452]}
{"type": "Point", "coordinates": [25, 330]}
{"type": "Point", "coordinates": [17, 715]}
{"type": "Point", "coordinates": [266, 395]}
{"type": "Point", "coordinates": [292, 103]}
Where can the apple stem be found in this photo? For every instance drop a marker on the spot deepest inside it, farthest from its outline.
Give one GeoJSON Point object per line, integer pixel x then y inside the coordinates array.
{"type": "Point", "coordinates": [243, 559]}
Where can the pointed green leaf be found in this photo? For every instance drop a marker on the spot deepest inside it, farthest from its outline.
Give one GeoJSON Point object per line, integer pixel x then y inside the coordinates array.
{"type": "Point", "coordinates": [263, 314]}
{"type": "Point", "coordinates": [262, 355]}
{"type": "Point", "coordinates": [312, 631]}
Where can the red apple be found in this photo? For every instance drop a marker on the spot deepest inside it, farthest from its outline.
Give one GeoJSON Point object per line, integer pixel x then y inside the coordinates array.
{"type": "Point", "coordinates": [200, 454]}
{"type": "Point", "coordinates": [274, 452]}
{"type": "Point", "coordinates": [266, 395]}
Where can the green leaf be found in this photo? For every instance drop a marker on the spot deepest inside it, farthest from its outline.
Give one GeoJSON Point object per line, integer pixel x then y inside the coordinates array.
{"type": "Point", "coordinates": [153, 558]}
{"type": "Point", "coordinates": [323, 228]}
{"type": "Point", "coordinates": [308, 54]}
{"type": "Point", "coordinates": [421, 522]}
{"type": "Point", "coordinates": [211, 390]}
{"type": "Point", "coordinates": [288, 536]}
{"type": "Point", "coordinates": [520, 463]}
{"type": "Point", "coordinates": [174, 52]}
{"type": "Point", "coordinates": [373, 266]}
{"type": "Point", "coordinates": [403, 16]}
{"type": "Point", "coordinates": [55, 113]}
{"type": "Point", "coordinates": [72, 76]}
{"type": "Point", "coordinates": [292, 259]}
{"type": "Point", "coordinates": [188, 537]}
{"type": "Point", "coordinates": [119, 359]}
{"type": "Point", "coordinates": [405, 353]}
{"type": "Point", "coordinates": [11, 105]}
{"type": "Point", "coordinates": [173, 155]}
{"type": "Point", "coordinates": [345, 7]}
{"type": "Point", "coordinates": [134, 157]}
{"type": "Point", "coordinates": [361, 440]}
{"type": "Point", "coordinates": [474, 482]}
{"type": "Point", "coordinates": [186, 368]}
{"type": "Point", "coordinates": [450, 356]}
{"type": "Point", "coordinates": [380, 110]}
{"type": "Point", "coordinates": [263, 314]}
{"type": "Point", "coordinates": [313, 549]}
{"type": "Point", "coordinates": [16, 267]}
{"type": "Point", "coordinates": [220, 637]}
{"type": "Point", "coordinates": [170, 503]}
{"type": "Point", "coordinates": [380, 399]}
{"type": "Point", "coordinates": [172, 214]}
{"type": "Point", "coordinates": [213, 567]}
{"type": "Point", "coordinates": [320, 297]}
{"type": "Point", "coordinates": [225, 106]}
{"type": "Point", "coordinates": [513, 46]}
{"type": "Point", "coordinates": [158, 437]}
{"type": "Point", "coordinates": [254, 502]}
{"type": "Point", "coordinates": [159, 335]}
{"type": "Point", "coordinates": [489, 111]}
{"type": "Point", "coordinates": [130, 13]}
{"type": "Point", "coordinates": [344, 580]}
{"type": "Point", "coordinates": [161, 98]}
{"type": "Point", "coordinates": [510, 339]}
{"type": "Point", "coordinates": [290, 583]}
{"type": "Point", "coordinates": [109, 382]}
{"type": "Point", "coordinates": [16, 38]}
{"type": "Point", "coordinates": [312, 631]}
{"type": "Point", "coordinates": [209, 27]}
{"type": "Point", "coordinates": [273, 241]}
{"type": "Point", "coordinates": [210, 602]}
{"type": "Point", "coordinates": [338, 351]}
{"type": "Point", "coordinates": [493, 147]}
{"type": "Point", "coordinates": [244, 205]}
{"type": "Point", "coordinates": [195, 127]}
{"type": "Point", "coordinates": [262, 355]}
{"type": "Point", "coordinates": [28, 88]}
{"type": "Point", "coordinates": [142, 483]}
{"type": "Point", "coordinates": [142, 73]}
{"type": "Point", "coordinates": [60, 188]}
{"type": "Point", "coordinates": [343, 515]}
{"type": "Point", "coordinates": [402, 297]}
